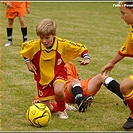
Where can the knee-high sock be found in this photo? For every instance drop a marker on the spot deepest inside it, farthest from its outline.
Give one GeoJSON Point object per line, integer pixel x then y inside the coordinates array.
{"type": "Point", "coordinates": [24, 33]}
{"type": "Point", "coordinates": [129, 101]}
{"type": "Point", "coordinates": [55, 108]}
{"type": "Point", "coordinates": [9, 33]}
{"type": "Point", "coordinates": [60, 104]}
{"type": "Point", "coordinates": [77, 93]}
{"type": "Point", "coordinates": [113, 86]}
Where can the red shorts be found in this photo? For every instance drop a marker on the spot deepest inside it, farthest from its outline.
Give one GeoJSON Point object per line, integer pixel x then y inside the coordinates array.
{"type": "Point", "coordinates": [48, 92]}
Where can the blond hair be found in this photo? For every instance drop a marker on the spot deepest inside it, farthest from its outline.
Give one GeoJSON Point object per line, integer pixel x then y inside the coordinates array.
{"type": "Point", "coordinates": [46, 27]}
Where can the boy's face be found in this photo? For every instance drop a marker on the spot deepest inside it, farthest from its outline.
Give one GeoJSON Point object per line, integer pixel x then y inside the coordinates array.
{"type": "Point", "coordinates": [47, 40]}
{"type": "Point", "coordinates": [127, 15]}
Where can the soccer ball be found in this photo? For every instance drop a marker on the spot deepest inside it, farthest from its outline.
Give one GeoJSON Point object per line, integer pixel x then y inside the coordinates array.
{"type": "Point", "coordinates": [38, 114]}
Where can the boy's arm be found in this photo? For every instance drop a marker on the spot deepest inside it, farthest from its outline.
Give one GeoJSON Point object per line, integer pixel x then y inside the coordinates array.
{"type": "Point", "coordinates": [86, 57]}
{"type": "Point", "coordinates": [7, 4]}
{"type": "Point", "coordinates": [84, 62]}
{"type": "Point", "coordinates": [27, 4]}
{"type": "Point", "coordinates": [27, 7]}
{"type": "Point", "coordinates": [4, 2]}
{"type": "Point", "coordinates": [109, 66]}
{"type": "Point", "coordinates": [30, 65]}
{"type": "Point", "coordinates": [26, 60]}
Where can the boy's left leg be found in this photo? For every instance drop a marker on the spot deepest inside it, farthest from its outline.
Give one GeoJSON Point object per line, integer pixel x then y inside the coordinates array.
{"type": "Point", "coordinates": [82, 101]}
{"type": "Point", "coordinates": [9, 31]}
{"type": "Point", "coordinates": [113, 86]}
{"type": "Point", "coordinates": [24, 33]}
{"type": "Point", "coordinates": [23, 26]}
{"type": "Point", "coordinates": [60, 98]}
{"type": "Point", "coordinates": [129, 123]}
{"type": "Point", "coordinates": [127, 91]}
{"type": "Point", "coordinates": [95, 83]}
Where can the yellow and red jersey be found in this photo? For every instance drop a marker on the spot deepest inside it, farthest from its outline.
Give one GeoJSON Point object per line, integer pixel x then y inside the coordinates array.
{"type": "Point", "coordinates": [127, 47]}
{"type": "Point", "coordinates": [49, 62]}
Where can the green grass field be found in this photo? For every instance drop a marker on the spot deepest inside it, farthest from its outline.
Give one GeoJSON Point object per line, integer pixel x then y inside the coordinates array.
{"type": "Point", "coordinates": [96, 24]}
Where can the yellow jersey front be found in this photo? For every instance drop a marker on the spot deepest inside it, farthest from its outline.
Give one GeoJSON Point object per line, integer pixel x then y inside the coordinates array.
{"type": "Point", "coordinates": [49, 62]}
{"type": "Point", "coordinates": [127, 47]}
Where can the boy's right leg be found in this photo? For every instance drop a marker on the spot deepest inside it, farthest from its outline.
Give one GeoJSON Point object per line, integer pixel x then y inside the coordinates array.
{"type": "Point", "coordinates": [114, 87]}
{"type": "Point", "coordinates": [24, 34]}
{"type": "Point", "coordinates": [9, 36]}
{"type": "Point", "coordinates": [60, 98]}
{"type": "Point", "coordinates": [85, 103]}
{"type": "Point", "coordinates": [9, 31]}
{"type": "Point", "coordinates": [77, 92]}
{"type": "Point", "coordinates": [23, 27]}
{"type": "Point", "coordinates": [61, 108]}
{"type": "Point", "coordinates": [126, 87]}
{"type": "Point", "coordinates": [111, 84]}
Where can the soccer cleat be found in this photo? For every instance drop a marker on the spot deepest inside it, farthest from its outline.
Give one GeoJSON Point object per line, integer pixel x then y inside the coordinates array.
{"type": "Point", "coordinates": [128, 124]}
{"type": "Point", "coordinates": [62, 114]}
{"type": "Point", "coordinates": [8, 43]}
{"type": "Point", "coordinates": [70, 107]}
{"type": "Point", "coordinates": [84, 103]}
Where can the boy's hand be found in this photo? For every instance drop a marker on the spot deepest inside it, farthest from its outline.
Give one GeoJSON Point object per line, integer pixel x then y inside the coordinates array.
{"type": "Point", "coordinates": [31, 67]}
{"type": "Point", "coordinates": [84, 62]}
{"type": "Point", "coordinates": [8, 4]}
{"type": "Point", "coordinates": [28, 10]}
{"type": "Point", "coordinates": [107, 68]}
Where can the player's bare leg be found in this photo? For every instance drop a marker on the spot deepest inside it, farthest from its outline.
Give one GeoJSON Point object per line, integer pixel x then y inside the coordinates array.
{"type": "Point", "coordinates": [126, 87]}
{"type": "Point", "coordinates": [23, 28]}
{"type": "Point", "coordinates": [9, 31]}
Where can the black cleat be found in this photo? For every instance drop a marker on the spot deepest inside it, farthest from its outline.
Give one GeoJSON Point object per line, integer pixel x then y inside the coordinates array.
{"type": "Point", "coordinates": [128, 124]}
{"type": "Point", "coordinates": [84, 103]}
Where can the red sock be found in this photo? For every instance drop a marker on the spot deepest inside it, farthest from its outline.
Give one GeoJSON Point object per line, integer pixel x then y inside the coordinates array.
{"type": "Point", "coordinates": [55, 108]}
{"type": "Point", "coordinates": [129, 100]}
{"type": "Point", "coordinates": [130, 105]}
{"type": "Point", "coordinates": [60, 104]}
{"type": "Point", "coordinates": [131, 115]}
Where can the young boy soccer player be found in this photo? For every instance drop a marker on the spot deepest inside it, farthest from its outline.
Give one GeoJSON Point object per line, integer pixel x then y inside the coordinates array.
{"type": "Point", "coordinates": [14, 9]}
{"type": "Point", "coordinates": [126, 86]}
{"type": "Point", "coordinates": [46, 57]}
{"type": "Point", "coordinates": [82, 92]}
